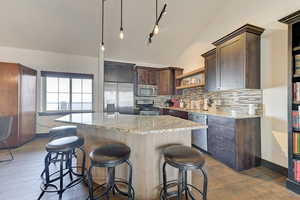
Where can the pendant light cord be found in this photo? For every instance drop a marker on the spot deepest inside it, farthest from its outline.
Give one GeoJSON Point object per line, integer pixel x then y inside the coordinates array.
{"type": "Point", "coordinates": [156, 13]}
{"type": "Point", "coordinates": [102, 21]}
{"type": "Point", "coordinates": [121, 14]}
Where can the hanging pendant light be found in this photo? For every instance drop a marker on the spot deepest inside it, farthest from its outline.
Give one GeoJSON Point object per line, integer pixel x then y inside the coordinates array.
{"type": "Point", "coordinates": [102, 24]}
{"type": "Point", "coordinates": [121, 28]}
{"type": "Point", "coordinates": [156, 28]}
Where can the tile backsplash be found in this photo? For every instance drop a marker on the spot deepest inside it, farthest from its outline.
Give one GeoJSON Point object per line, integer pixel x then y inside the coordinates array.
{"type": "Point", "coordinates": [226, 101]}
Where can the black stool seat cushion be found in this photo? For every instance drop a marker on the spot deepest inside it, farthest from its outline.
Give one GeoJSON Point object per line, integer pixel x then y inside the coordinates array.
{"type": "Point", "coordinates": [65, 144]}
{"type": "Point", "coordinates": [62, 131]}
{"type": "Point", "coordinates": [180, 156]}
{"type": "Point", "coordinates": [110, 155]}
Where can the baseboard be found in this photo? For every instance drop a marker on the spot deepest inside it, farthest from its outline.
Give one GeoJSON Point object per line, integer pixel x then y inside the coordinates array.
{"type": "Point", "coordinates": [200, 149]}
{"type": "Point", "coordinates": [42, 135]}
{"type": "Point", "coordinates": [274, 167]}
{"type": "Point", "coordinates": [293, 186]}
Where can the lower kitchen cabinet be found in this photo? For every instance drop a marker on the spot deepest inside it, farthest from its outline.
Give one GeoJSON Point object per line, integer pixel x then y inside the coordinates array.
{"type": "Point", "coordinates": [174, 113]}
{"type": "Point", "coordinates": [234, 142]}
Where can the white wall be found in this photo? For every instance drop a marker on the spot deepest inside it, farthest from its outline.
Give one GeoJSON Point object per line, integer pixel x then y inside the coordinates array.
{"type": "Point", "coordinates": [273, 63]}
{"type": "Point", "coordinates": [41, 60]}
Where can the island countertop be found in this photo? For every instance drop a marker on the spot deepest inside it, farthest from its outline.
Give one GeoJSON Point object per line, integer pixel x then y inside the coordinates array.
{"type": "Point", "coordinates": [135, 124]}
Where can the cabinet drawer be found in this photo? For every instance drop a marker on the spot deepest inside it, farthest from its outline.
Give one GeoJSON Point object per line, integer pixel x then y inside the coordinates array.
{"type": "Point", "coordinates": [220, 121]}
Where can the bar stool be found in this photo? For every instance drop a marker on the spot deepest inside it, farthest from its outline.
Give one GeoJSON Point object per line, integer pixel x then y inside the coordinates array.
{"type": "Point", "coordinates": [183, 158]}
{"type": "Point", "coordinates": [60, 132]}
{"type": "Point", "coordinates": [110, 156]}
{"type": "Point", "coordinates": [65, 146]}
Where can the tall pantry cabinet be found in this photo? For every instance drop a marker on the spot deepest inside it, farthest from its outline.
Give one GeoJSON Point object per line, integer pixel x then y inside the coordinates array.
{"type": "Point", "coordinates": [18, 89]}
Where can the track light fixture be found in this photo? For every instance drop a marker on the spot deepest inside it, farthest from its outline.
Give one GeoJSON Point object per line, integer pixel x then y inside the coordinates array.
{"type": "Point", "coordinates": [155, 30]}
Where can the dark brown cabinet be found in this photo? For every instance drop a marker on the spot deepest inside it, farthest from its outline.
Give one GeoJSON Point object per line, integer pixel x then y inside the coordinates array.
{"type": "Point", "coordinates": [238, 59]}
{"type": "Point", "coordinates": [174, 113]}
{"type": "Point", "coordinates": [210, 70]}
{"type": "Point", "coordinates": [118, 72]}
{"type": "Point", "coordinates": [18, 99]}
{"type": "Point", "coordinates": [167, 81]}
{"type": "Point", "coordinates": [235, 142]}
{"type": "Point", "coordinates": [147, 76]}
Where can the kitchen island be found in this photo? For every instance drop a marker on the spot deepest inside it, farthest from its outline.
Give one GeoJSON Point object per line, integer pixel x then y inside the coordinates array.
{"type": "Point", "coordinates": [147, 136]}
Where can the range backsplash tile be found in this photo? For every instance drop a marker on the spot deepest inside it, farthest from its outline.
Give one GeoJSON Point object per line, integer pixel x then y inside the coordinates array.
{"type": "Point", "coordinates": [227, 101]}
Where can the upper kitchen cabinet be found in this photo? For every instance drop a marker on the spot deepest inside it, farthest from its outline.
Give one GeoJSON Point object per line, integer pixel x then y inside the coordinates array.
{"type": "Point", "coordinates": [210, 60]}
{"type": "Point", "coordinates": [147, 75]}
{"type": "Point", "coordinates": [118, 72]}
{"type": "Point", "coordinates": [167, 82]}
{"type": "Point", "coordinates": [238, 59]}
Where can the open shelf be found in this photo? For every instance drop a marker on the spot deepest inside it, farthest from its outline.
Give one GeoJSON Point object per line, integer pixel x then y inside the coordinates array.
{"type": "Point", "coordinates": [192, 73]}
{"type": "Point", "coordinates": [189, 86]}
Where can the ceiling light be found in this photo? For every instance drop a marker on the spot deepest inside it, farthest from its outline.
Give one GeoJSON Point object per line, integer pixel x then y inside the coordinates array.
{"type": "Point", "coordinates": [156, 29]}
{"type": "Point", "coordinates": [121, 28]}
{"type": "Point", "coordinates": [102, 23]}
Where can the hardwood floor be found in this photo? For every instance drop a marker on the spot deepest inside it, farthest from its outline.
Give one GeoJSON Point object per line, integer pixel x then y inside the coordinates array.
{"type": "Point", "coordinates": [20, 179]}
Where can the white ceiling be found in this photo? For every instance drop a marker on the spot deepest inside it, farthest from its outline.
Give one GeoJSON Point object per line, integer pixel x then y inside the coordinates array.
{"type": "Point", "coordinates": [73, 27]}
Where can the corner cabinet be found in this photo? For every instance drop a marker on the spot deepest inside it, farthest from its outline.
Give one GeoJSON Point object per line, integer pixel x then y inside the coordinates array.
{"type": "Point", "coordinates": [210, 70]}
{"type": "Point", "coordinates": [238, 59]}
{"type": "Point", "coordinates": [235, 142]}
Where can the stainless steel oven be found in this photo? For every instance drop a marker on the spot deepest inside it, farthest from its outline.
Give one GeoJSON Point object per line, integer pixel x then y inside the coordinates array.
{"type": "Point", "coordinates": [147, 91]}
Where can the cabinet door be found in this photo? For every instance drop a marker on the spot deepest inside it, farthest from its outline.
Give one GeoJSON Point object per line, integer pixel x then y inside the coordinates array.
{"type": "Point", "coordinates": [211, 72]}
{"type": "Point", "coordinates": [164, 82]}
{"type": "Point", "coordinates": [231, 63]}
{"type": "Point", "coordinates": [153, 77]}
{"type": "Point", "coordinates": [27, 104]}
{"type": "Point", "coordinates": [221, 139]}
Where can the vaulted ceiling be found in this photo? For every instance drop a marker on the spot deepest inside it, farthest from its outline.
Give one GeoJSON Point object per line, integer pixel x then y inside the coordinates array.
{"type": "Point", "coordinates": [73, 26]}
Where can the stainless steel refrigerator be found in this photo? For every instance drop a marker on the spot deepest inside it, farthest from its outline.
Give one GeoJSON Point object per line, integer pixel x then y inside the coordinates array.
{"type": "Point", "coordinates": [119, 97]}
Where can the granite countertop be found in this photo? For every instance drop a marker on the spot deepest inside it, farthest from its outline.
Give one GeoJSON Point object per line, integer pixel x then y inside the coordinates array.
{"type": "Point", "coordinates": [136, 124]}
{"type": "Point", "coordinates": [214, 113]}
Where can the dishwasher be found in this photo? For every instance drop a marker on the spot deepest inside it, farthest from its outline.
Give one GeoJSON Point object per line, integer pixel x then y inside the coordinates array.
{"type": "Point", "coordinates": [199, 137]}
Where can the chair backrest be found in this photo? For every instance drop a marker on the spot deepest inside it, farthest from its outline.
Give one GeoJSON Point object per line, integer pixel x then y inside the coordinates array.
{"type": "Point", "coordinates": [5, 127]}
{"type": "Point", "coordinates": [110, 108]}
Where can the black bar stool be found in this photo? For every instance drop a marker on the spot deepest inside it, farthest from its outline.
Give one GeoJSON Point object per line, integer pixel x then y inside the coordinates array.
{"type": "Point", "coordinates": [183, 158]}
{"type": "Point", "coordinates": [60, 132]}
{"type": "Point", "coordinates": [65, 147]}
{"type": "Point", "coordinates": [110, 156]}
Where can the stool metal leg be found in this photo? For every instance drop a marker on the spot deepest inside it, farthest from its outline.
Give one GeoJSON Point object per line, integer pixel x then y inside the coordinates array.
{"type": "Point", "coordinates": [204, 184]}
{"type": "Point", "coordinates": [130, 189]}
{"type": "Point", "coordinates": [180, 183]}
{"type": "Point", "coordinates": [164, 180]}
{"type": "Point", "coordinates": [61, 173]}
{"type": "Point", "coordinates": [90, 183]}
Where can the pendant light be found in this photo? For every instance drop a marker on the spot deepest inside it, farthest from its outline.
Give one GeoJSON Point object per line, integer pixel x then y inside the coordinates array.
{"type": "Point", "coordinates": [121, 28]}
{"type": "Point", "coordinates": [156, 28]}
{"type": "Point", "coordinates": [102, 24]}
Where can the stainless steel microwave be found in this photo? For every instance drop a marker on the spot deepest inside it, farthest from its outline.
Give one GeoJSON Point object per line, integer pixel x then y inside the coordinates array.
{"type": "Point", "coordinates": [147, 90]}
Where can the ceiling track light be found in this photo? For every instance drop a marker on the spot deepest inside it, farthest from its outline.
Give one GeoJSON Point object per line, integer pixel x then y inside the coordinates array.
{"type": "Point", "coordinates": [155, 29]}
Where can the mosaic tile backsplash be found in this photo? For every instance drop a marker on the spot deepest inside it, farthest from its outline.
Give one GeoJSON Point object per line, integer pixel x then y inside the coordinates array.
{"type": "Point", "coordinates": [226, 101]}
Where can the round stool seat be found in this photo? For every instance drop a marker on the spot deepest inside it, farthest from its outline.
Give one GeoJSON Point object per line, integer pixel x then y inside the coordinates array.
{"type": "Point", "coordinates": [180, 156]}
{"type": "Point", "coordinates": [65, 144]}
{"type": "Point", "coordinates": [62, 131]}
{"type": "Point", "coordinates": [110, 155]}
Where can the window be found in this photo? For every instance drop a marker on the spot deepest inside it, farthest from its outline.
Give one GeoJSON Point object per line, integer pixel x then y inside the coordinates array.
{"type": "Point", "coordinates": [67, 92]}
